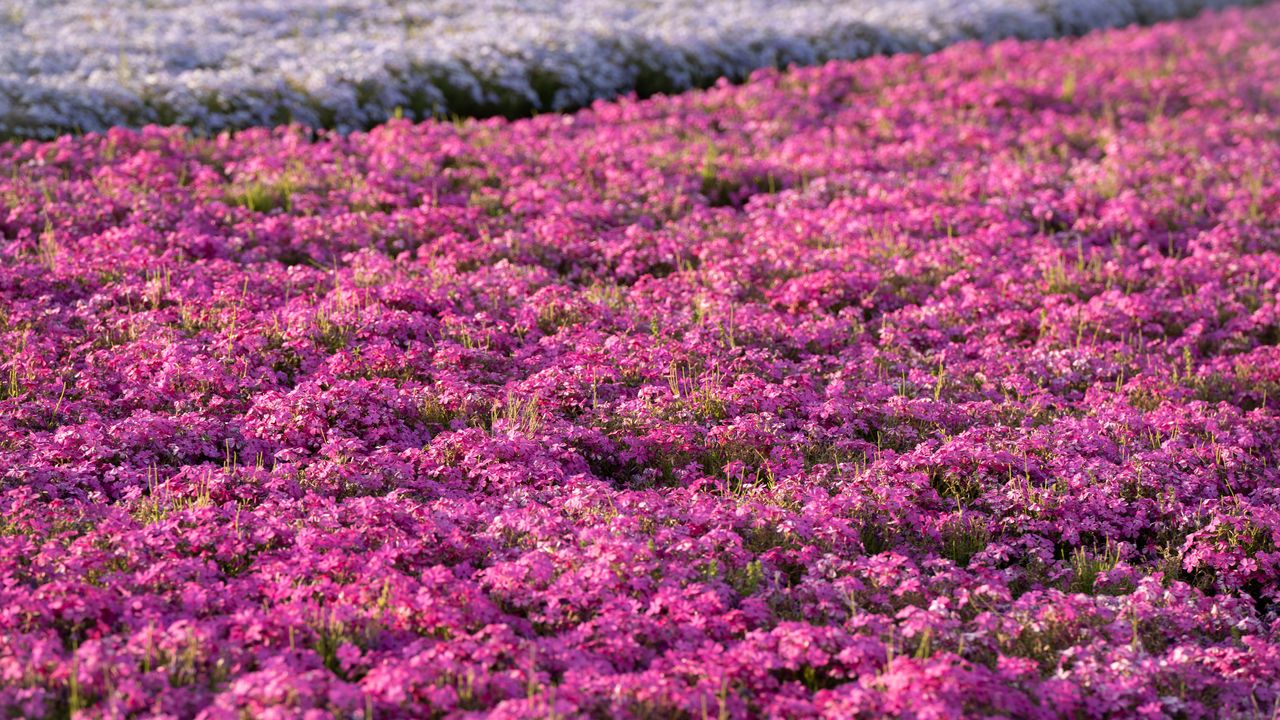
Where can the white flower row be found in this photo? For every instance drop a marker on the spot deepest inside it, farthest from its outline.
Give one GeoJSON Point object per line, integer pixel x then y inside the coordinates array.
{"type": "Point", "coordinates": [91, 64]}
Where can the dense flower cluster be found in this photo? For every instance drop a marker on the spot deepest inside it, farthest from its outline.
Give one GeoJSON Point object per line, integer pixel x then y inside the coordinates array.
{"type": "Point", "coordinates": [88, 65]}
{"type": "Point", "coordinates": [930, 387]}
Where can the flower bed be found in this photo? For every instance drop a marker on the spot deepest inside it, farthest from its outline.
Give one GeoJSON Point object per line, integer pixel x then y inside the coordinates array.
{"type": "Point", "coordinates": [88, 65]}
{"type": "Point", "coordinates": [923, 387]}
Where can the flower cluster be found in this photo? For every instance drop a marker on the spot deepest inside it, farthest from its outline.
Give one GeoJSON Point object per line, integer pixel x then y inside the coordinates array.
{"type": "Point", "coordinates": [938, 386]}
{"type": "Point", "coordinates": [88, 65]}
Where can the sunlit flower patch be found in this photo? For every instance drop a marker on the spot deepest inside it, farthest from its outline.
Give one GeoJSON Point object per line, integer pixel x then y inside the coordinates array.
{"type": "Point", "coordinates": [934, 387]}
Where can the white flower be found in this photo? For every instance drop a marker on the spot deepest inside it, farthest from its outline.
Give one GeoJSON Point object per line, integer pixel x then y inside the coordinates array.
{"type": "Point", "coordinates": [90, 64]}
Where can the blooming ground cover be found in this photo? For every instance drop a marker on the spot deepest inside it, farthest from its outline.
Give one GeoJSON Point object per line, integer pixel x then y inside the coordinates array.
{"type": "Point", "coordinates": [85, 65]}
{"type": "Point", "coordinates": [931, 387]}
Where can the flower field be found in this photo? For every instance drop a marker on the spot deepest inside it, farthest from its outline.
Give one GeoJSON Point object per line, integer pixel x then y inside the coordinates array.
{"type": "Point", "coordinates": [939, 386]}
{"type": "Point", "coordinates": [88, 65]}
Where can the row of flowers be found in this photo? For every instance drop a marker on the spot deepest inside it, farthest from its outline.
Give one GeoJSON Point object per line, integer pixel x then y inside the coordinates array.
{"type": "Point", "coordinates": [88, 65]}
{"type": "Point", "coordinates": [926, 387]}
